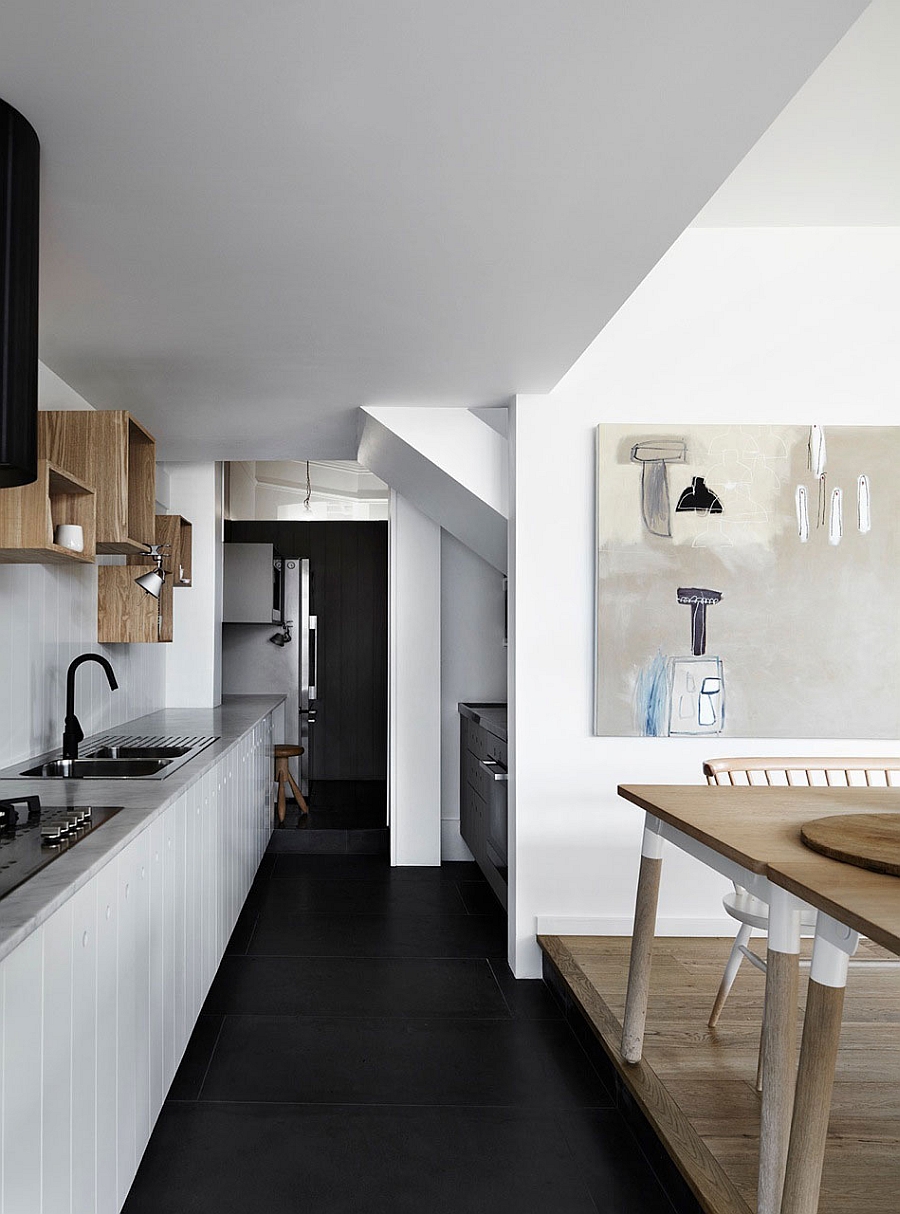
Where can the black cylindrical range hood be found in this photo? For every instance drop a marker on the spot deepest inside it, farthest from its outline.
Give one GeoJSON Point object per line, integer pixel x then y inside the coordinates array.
{"type": "Point", "coordinates": [19, 221]}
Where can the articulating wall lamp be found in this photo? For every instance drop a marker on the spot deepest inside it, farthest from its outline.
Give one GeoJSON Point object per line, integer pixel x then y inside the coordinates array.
{"type": "Point", "coordinates": [153, 581]}
{"type": "Point", "coordinates": [283, 638]}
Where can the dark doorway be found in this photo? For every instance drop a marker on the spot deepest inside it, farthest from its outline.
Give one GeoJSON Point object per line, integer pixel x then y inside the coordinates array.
{"type": "Point", "coordinates": [347, 733]}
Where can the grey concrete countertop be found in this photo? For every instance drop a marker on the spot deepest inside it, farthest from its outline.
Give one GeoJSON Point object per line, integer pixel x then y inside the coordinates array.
{"type": "Point", "coordinates": [142, 800]}
{"type": "Point", "coordinates": [491, 717]}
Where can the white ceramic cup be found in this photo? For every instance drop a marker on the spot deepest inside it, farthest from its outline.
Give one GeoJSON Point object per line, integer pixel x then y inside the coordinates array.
{"type": "Point", "coordinates": [69, 535]}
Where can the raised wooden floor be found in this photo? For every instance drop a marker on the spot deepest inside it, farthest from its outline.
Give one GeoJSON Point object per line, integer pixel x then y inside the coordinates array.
{"type": "Point", "coordinates": [696, 1084]}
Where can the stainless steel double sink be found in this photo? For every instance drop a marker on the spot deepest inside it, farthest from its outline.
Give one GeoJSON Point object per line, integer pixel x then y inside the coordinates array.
{"type": "Point", "coordinates": [119, 757]}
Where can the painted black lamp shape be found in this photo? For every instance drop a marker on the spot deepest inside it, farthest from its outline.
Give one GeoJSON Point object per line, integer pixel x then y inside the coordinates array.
{"type": "Point", "coordinates": [698, 599]}
{"type": "Point", "coordinates": [653, 454]}
{"type": "Point", "coordinates": [73, 733]}
{"type": "Point", "coordinates": [698, 498]}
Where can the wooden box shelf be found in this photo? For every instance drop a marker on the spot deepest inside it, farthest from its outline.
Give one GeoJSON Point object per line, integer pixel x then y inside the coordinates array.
{"type": "Point", "coordinates": [29, 515]}
{"type": "Point", "coordinates": [112, 451]}
{"type": "Point", "coordinates": [176, 532]}
{"type": "Point", "coordinates": [183, 574]}
{"type": "Point", "coordinates": [126, 614]}
{"type": "Point", "coordinates": [120, 617]}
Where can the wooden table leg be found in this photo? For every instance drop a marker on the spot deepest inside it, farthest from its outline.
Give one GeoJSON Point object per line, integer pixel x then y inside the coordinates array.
{"type": "Point", "coordinates": [833, 948]}
{"type": "Point", "coordinates": [779, 1046]}
{"type": "Point", "coordinates": [642, 943]}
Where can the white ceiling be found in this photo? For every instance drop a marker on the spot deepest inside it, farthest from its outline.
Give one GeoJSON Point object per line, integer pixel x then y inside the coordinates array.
{"type": "Point", "coordinates": [257, 217]}
{"type": "Point", "coordinates": [832, 157]}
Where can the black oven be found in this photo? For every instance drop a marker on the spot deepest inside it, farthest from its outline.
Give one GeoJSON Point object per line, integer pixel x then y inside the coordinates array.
{"type": "Point", "coordinates": [497, 823]}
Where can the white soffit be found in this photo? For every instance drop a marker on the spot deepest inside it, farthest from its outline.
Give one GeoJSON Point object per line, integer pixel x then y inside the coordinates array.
{"type": "Point", "coordinates": [832, 157]}
{"type": "Point", "coordinates": [256, 218]}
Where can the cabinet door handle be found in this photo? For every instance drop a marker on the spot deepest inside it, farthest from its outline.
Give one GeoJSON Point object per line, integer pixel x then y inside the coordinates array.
{"type": "Point", "coordinates": [495, 770]}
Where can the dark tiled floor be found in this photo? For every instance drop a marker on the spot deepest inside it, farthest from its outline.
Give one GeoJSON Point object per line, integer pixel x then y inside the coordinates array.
{"type": "Point", "coordinates": [364, 1047]}
{"type": "Point", "coordinates": [344, 804]}
{"type": "Point", "coordinates": [345, 817]}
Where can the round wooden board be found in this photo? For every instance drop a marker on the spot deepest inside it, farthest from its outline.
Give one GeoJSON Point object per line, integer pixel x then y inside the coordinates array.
{"type": "Point", "coordinates": [867, 840]}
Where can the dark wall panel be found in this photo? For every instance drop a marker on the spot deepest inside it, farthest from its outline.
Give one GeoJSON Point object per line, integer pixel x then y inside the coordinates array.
{"type": "Point", "coordinates": [348, 566]}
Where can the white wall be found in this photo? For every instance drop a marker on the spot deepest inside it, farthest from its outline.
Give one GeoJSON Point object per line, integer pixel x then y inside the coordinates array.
{"type": "Point", "coordinates": [241, 502]}
{"type": "Point", "coordinates": [194, 658]}
{"type": "Point", "coordinates": [759, 325]}
{"type": "Point", "coordinates": [473, 664]}
{"type": "Point", "coordinates": [414, 673]}
{"type": "Point", "coordinates": [448, 462]}
{"type": "Point", "coordinates": [48, 616]}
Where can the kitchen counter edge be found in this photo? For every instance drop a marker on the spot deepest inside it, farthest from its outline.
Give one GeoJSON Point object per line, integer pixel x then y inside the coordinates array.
{"type": "Point", "coordinates": [26, 908]}
{"type": "Point", "coordinates": [490, 716]}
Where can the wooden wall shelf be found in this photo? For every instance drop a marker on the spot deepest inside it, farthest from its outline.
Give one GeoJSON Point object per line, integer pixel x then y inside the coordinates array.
{"type": "Point", "coordinates": [126, 614]}
{"type": "Point", "coordinates": [177, 532]}
{"type": "Point", "coordinates": [29, 515]}
{"type": "Point", "coordinates": [112, 451]}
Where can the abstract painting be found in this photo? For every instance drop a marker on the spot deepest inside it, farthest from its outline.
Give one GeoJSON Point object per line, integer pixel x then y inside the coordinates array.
{"type": "Point", "coordinates": [747, 581]}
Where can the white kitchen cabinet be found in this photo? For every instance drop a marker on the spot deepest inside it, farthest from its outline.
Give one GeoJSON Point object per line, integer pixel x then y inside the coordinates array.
{"type": "Point", "coordinates": [107, 1029]}
{"type": "Point", "coordinates": [98, 1003]}
{"type": "Point", "coordinates": [22, 978]}
{"type": "Point", "coordinates": [179, 911]}
{"type": "Point", "coordinates": [247, 580]}
{"type": "Point", "coordinates": [56, 1048]}
{"type": "Point", "coordinates": [156, 966]}
{"type": "Point", "coordinates": [133, 985]}
{"type": "Point", "coordinates": [84, 1052]}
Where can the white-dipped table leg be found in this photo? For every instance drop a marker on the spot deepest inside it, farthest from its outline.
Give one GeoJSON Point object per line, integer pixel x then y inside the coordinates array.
{"type": "Point", "coordinates": [779, 1046]}
{"type": "Point", "coordinates": [642, 942]}
{"type": "Point", "coordinates": [834, 946]}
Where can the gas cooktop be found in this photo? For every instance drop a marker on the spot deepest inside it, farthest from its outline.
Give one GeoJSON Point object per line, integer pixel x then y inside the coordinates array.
{"type": "Point", "coordinates": [34, 835]}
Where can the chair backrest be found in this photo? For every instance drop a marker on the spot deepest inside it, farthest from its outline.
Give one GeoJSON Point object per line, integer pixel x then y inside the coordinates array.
{"type": "Point", "coordinates": [825, 771]}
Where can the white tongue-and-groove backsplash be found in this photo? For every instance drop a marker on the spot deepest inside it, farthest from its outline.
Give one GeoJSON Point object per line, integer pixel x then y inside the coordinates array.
{"type": "Point", "coordinates": [48, 616]}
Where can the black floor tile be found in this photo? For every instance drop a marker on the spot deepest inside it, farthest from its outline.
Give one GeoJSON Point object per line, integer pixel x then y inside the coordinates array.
{"type": "Point", "coordinates": [301, 934]}
{"type": "Point", "coordinates": [341, 817]}
{"type": "Point", "coordinates": [243, 929]}
{"type": "Point", "coordinates": [190, 1074]}
{"type": "Point", "coordinates": [322, 1060]}
{"type": "Point", "coordinates": [403, 1069]}
{"type": "Point", "coordinates": [458, 870]}
{"type": "Point", "coordinates": [611, 1163]}
{"type": "Point", "coordinates": [369, 842]}
{"type": "Point", "coordinates": [367, 795]}
{"type": "Point", "coordinates": [360, 986]}
{"type": "Point", "coordinates": [358, 897]}
{"type": "Point", "coordinates": [309, 842]}
{"type": "Point", "coordinates": [281, 1159]}
{"type": "Point", "coordinates": [526, 998]}
{"type": "Point", "coordinates": [479, 898]}
{"type": "Point", "coordinates": [372, 868]}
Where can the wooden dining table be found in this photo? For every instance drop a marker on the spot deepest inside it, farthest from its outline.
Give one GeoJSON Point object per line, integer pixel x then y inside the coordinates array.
{"type": "Point", "coordinates": [752, 836]}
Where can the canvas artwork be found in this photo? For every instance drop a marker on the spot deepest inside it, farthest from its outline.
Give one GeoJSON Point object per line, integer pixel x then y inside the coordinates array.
{"type": "Point", "coordinates": [748, 581]}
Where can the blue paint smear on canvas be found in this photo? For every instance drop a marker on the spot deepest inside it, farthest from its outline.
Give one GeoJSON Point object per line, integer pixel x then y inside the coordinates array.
{"type": "Point", "coordinates": [651, 695]}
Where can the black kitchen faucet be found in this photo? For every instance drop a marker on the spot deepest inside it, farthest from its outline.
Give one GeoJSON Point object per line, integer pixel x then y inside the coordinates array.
{"type": "Point", "coordinates": [73, 733]}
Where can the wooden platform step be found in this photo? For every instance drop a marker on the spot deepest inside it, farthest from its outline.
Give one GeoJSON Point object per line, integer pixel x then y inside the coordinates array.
{"type": "Point", "coordinates": [694, 1091]}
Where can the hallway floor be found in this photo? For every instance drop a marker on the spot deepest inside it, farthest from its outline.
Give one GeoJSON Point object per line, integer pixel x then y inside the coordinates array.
{"type": "Point", "coordinates": [365, 1048]}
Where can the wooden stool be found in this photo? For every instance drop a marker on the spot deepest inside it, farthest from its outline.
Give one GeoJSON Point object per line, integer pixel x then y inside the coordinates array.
{"type": "Point", "coordinates": [282, 773]}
